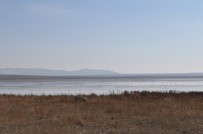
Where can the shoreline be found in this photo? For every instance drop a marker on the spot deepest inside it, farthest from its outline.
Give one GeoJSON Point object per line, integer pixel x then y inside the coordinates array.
{"type": "Point", "coordinates": [116, 93]}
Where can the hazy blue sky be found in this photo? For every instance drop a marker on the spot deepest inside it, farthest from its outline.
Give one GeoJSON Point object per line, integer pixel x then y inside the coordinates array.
{"type": "Point", "coordinates": [129, 36]}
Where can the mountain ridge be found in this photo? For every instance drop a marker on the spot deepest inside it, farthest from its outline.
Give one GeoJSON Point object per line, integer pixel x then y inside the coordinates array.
{"type": "Point", "coordinates": [50, 72]}
{"type": "Point", "coordinates": [82, 72]}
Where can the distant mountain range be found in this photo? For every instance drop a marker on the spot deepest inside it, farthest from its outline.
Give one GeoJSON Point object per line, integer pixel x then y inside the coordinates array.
{"type": "Point", "coordinates": [47, 72]}
{"type": "Point", "coordinates": [90, 72]}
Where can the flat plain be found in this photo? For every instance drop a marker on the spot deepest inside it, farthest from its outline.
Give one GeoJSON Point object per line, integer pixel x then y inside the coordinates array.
{"type": "Point", "coordinates": [126, 113]}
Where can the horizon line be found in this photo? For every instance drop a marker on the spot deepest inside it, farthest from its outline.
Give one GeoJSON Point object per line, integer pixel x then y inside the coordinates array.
{"type": "Point", "coordinates": [118, 73]}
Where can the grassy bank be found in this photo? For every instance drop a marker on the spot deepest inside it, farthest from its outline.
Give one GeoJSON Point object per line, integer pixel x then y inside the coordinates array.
{"type": "Point", "coordinates": [129, 112]}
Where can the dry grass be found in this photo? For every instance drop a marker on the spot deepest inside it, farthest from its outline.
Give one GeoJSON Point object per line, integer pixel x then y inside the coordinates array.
{"type": "Point", "coordinates": [135, 112]}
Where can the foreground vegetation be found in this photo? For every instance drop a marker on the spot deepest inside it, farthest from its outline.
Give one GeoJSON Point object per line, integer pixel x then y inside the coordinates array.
{"type": "Point", "coordinates": [134, 112]}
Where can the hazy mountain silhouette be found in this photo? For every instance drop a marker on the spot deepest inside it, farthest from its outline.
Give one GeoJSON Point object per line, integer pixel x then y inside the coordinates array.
{"type": "Point", "coordinates": [47, 72]}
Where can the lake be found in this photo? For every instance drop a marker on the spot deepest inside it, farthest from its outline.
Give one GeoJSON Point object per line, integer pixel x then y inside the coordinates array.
{"type": "Point", "coordinates": [44, 85]}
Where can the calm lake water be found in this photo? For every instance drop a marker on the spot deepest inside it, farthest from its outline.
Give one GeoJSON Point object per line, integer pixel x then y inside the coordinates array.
{"type": "Point", "coordinates": [25, 85]}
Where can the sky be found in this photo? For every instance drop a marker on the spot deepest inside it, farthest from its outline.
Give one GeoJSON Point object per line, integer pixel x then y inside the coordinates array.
{"type": "Point", "coordinates": [126, 36]}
